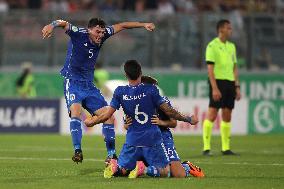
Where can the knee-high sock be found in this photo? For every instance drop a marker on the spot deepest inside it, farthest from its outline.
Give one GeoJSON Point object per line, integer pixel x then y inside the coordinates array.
{"type": "Point", "coordinates": [225, 135]}
{"type": "Point", "coordinates": [207, 131]}
{"type": "Point", "coordinates": [76, 132]}
{"type": "Point", "coordinates": [109, 138]}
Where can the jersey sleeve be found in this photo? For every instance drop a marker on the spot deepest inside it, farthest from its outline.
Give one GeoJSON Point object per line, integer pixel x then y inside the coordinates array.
{"type": "Point", "coordinates": [210, 55]}
{"type": "Point", "coordinates": [75, 32]}
{"type": "Point", "coordinates": [109, 31]}
{"type": "Point", "coordinates": [115, 101]}
{"type": "Point", "coordinates": [167, 101]}
{"type": "Point", "coordinates": [235, 55]}
{"type": "Point", "coordinates": [156, 97]}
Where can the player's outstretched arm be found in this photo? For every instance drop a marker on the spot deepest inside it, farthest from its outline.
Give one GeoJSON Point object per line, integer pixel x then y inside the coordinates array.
{"type": "Point", "coordinates": [172, 113]}
{"type": "Point", "coordinates": [129, 25]}
{"type": "Point", "coordinates": [171, 123]}
{"type": "Point", "coordinates": [48, 29]}
{"type": "Point", "coordinates": [101, 118]}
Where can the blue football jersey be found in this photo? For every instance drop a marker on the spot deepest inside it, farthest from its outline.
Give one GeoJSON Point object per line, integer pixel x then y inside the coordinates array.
{"type": "Point", "coordinates": [82, 54]}
{"type": "Point", "coordinates": [140, 103]}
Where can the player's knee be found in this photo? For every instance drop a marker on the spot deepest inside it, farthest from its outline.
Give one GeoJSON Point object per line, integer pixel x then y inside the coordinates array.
{"type": "Point", "coordinates": [211, 116]}
{"type": "Point", "coordinates": [75, 113]}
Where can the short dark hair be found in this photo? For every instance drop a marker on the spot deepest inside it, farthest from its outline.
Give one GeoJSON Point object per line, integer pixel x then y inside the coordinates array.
{"type": "Point", "coordinates": [93, 22]}
{"type": "Point", "coordinates": [221, 23]}
{"type": "Point", "coordinates": [149, 80]}
{"type": "Point", "coordinates": [132, 69]}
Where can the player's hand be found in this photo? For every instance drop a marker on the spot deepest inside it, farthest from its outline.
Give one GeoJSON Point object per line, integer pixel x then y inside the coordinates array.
{"type": "Point", "coordinates": [216, 94]}
{"type": "Point", "coordinates": [127, 122]}
{"type": "Point", "coordinates": [149, 26]}
{"type": "Point", "coordinates": [238, 93]}
{"type": "Point", "coordinates": [194, 120]}
{"type": "Point", "coordinates": [89, 122]}
{"type": "Point", "coordinates": [155, 120]}
{"type": "Point", "coordinates": [47, 31]}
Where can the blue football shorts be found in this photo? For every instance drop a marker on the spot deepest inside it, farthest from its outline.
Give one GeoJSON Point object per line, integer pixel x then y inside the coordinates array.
{"type": "Point", "coordinates": [154, 156]}
{"type": "Point", "coordinates": [85, 93]}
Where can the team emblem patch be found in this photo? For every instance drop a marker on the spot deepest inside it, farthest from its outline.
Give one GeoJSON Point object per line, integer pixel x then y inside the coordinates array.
{"type": "Point", "coordinates": [74, 29]}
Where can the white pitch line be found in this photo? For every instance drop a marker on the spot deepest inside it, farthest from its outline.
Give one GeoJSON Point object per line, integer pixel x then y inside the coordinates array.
{"type": "Point", "coordinates": [243, 163]}
{"type": "Point", "coordinates": [101, 160]}
{"type": "Point", "coordinates": [44, 159]}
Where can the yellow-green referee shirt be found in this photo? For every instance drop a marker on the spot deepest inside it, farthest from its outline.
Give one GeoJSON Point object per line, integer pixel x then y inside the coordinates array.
{"type": "Point", "coordinates": [224, 57]}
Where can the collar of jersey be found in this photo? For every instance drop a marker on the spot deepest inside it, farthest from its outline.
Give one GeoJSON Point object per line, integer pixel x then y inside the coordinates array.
{"type": "Point", "coordinates": [220, 42]}
{"type": "Point", "coordinates": [92, 43]}
{"type": "Point", "coordinates": [135, 85]}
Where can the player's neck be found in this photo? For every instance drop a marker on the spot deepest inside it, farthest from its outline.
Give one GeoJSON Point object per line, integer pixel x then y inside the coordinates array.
{"type": "Point", "coordinates": [134, 82]}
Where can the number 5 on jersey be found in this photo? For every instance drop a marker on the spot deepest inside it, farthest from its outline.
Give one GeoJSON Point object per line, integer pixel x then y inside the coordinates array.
{"type": "Point", "coordinates": [91, 54]}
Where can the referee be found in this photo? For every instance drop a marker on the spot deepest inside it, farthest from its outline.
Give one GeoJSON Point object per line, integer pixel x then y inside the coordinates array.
{"type": "Point", "coordinates": [224, 86]}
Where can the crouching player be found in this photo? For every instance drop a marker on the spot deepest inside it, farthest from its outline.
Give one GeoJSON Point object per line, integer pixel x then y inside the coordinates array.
{"type": "Point", "coordinates": [177, 169]}
{"type": "Point", "coordinates": [143, 139]}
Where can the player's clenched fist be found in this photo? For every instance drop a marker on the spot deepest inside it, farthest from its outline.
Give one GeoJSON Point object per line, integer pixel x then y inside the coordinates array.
{"type": "Point", "coordinates": [149, 26]}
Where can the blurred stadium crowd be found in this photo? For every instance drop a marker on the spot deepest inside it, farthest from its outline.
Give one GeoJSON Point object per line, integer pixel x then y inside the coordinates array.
{"type": "Point", "coordinates": [161, 6]}
{"type": "Point", "coordinates": [185, 28]}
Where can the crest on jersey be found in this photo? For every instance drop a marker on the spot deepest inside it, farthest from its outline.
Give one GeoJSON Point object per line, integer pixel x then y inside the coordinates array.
{"type": "Point", "coordinates": [74, 29]}
{"type": "Point", "coordinates": [108, 30]}
{"type": "Point", "coordinates": [72, 97]}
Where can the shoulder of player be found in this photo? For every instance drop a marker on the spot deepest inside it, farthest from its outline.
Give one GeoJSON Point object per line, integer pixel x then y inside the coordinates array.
{"type": "Point", "coordinates": [212, 43]}
{"type": "Point", "coordinates": [109, 30]}
{"type": "Point", "coordinates": [232, 44]}
{"type": "Point", "coordinates": [119, 89]}
{"type": "Point", "coordinates": [77, 29]}
{"type": "Point", "coordinates": [150, 86]}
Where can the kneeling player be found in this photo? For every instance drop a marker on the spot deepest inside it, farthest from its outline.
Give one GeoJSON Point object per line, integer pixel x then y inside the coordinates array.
{"type": "Point", "coordinates": [177, 169]}
{"type": "Point", "coordinates": [143, 139]}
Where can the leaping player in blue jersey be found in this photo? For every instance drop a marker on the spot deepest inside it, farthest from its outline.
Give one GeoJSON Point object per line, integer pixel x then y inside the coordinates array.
{"type": "Point", "coordinates": [78, 71]}
{"type": "Point", "coordinates": [143, 139]}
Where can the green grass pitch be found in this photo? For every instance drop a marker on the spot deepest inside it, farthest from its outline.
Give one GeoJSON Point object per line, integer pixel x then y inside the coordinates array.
{"type": "Point", "coordinates": [44, 161]}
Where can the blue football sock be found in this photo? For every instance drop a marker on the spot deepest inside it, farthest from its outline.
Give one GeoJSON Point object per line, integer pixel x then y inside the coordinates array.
{"type": "Point", "coordinates": [109, 138]}
{"type": "Point", "coordinates": [76, 132]}
{"type": "Point", "coordinates": [186, 169]}
{"type": "Point", "coordinates": [152, 171]}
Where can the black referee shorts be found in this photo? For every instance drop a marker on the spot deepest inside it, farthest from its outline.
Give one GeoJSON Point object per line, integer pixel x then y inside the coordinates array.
{"type": "Point", "coordinates": [228, 91]}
